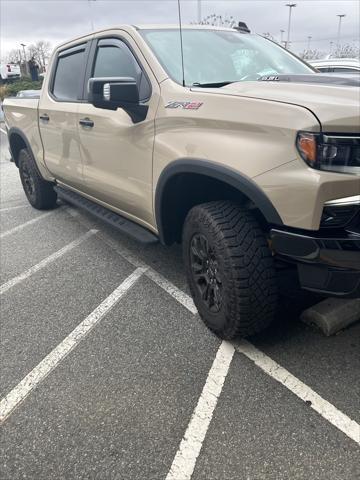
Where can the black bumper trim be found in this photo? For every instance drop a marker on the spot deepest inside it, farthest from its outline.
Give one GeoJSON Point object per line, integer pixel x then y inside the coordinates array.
{"type": "Point", "coordinates": [340, 251]}
{"type": "Point", "coordinates": [329, 281]}
{"type": "Point", "coordinates": [328, 265]}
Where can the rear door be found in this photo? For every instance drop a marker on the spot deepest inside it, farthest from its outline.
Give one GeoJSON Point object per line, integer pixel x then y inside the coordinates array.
{"type": "Point", "coordinates": [58, 109]}
{"type": "Point", "coordinates": [117, 153]}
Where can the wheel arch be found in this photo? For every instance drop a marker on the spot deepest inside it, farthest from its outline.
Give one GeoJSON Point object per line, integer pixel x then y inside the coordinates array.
{"type": "Point", "coordinates": [185, 183]}
{"type": "Point", "coordinates": [18, 141]}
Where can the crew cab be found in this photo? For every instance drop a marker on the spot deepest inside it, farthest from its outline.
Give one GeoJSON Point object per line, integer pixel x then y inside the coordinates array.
{"type": "Point", "coordinates": [215, 138]}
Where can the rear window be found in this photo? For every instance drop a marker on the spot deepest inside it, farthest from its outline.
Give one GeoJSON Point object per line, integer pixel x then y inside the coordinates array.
{"type": "Point", "coordinates": [69, 75]}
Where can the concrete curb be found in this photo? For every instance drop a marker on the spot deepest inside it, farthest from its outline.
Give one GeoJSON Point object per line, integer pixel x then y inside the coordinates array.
{"type": "Point", "coordinates": [332, 314]}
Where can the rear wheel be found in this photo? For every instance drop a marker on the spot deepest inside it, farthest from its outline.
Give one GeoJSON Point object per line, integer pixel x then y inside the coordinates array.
{"type": "Point", "coordinates": [39, 192]}
{"type": "Point", "coordinates": [230, 269]}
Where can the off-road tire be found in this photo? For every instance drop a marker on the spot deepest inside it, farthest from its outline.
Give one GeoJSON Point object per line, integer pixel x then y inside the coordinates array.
{"type": "Point", "coordinates": [40, 193]}
{"type": "Point", "coordinates": [243, 265]}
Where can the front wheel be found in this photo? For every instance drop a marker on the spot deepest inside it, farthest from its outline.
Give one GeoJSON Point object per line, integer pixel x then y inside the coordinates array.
{"type": "Point", "coordinates": [230, 269]}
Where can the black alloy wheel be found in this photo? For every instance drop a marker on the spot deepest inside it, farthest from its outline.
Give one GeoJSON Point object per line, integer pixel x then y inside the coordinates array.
{"type": "Point", "coordinates": [28, 182]}
{"type": "Point", "coordinates": [39, 192]}
{"type": "Point", "coordinates": [230, 269]}
{"type": "Point", "coordinates": [205, 269]}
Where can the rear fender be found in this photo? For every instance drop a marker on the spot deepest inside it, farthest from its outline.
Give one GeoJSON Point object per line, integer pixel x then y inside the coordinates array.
{"type": "Point", "coordinates": [17, 141]}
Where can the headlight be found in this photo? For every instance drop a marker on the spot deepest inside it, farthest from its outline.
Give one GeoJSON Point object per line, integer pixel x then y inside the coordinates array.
{"type": "Point", "coordinates": [334, 153]}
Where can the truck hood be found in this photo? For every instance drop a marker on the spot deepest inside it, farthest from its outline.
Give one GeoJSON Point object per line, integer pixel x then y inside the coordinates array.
{"type": "Point", "coordinates": [337, 107]}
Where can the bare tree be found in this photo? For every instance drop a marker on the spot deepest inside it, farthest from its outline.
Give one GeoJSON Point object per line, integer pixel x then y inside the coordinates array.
{"type": "Point", "coordinates": [218, 21]}
{"type": "Point", "coordinates": [31, 52]}
{"type": "Point", "coordinates": [14, 56]}
{"type": "Point", "coordinates": [346, 51]}
{"type": "Point", "coordinates": [312, 54]}
{"type": "Point", "coordinates": [269, 36]}
{"type": "Point", "coordinates": [41, 51]}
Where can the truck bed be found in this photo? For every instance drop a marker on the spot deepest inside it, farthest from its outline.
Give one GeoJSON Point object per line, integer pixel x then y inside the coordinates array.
{"type": "Point", "coordinates": [22, 114]}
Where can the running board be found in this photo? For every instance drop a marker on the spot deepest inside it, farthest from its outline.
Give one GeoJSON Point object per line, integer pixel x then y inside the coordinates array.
{"type": "Point", "coordinates": [122, 224]}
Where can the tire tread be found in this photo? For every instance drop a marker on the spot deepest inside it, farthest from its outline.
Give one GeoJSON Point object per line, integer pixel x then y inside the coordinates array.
{"type": "Point", "coordinates": [45, 198]}
{"type": "Point", "coordinates": [251, 300]}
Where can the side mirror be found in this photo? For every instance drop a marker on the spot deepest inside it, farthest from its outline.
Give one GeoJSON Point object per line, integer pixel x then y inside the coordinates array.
{"type": "Point", "coordinates": [113, 92]}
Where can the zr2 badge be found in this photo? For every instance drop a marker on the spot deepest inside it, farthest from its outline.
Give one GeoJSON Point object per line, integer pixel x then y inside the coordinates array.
{"type": "Point", "coordinates": [184, 105]}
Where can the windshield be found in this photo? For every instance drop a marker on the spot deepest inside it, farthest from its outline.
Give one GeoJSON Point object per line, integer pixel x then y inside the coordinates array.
{"type": "Point", "coordinates": [220, 56]}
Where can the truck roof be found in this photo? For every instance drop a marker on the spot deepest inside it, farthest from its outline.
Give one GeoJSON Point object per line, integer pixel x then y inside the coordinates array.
{"type": "Point", "coordinates": [160, 26]}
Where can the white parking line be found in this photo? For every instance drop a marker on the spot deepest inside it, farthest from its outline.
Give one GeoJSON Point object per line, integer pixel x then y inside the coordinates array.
{"type": "Point", "coordinates": [172, 290]}
{"type": "Point", "coordinates": [32, 380]}
{"type": "Point", "coordinates": [26, 224]}
{"type": "Point", "coordinates": [184, 462]}
{"type": "Point", "coordinates": [3, 131]}
{"type": "Point", "coordinates": [51, 258]}
{"type": "Point", "coordinates": [305, 393]}
{"type": "Point", "coordinates": [185, 459]}
{"type": "Point", "coordinates": [156, 277]}
{"type": "Point", "coordinates": [328, 411]}
{"type": "Point", "coordinates": [14, 208]}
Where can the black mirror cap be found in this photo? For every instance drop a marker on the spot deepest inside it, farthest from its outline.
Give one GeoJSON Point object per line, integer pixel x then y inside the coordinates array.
{"type": "Point", "coordinates": [113, 92]}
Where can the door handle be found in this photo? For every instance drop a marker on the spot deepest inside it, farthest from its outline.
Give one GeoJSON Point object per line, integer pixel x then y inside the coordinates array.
{"type": "Point", "coordinates": [86, 122]}
{"type": "Point", "coordinates": [45, 117]}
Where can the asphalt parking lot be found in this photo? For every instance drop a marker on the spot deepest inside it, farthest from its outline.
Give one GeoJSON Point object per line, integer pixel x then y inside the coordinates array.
{"type": "Point", "coordinates": [108, 373]}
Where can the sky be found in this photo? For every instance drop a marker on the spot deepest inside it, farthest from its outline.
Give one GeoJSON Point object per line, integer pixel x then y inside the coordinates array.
{"type": "Point", "coordinates": [27, 21]}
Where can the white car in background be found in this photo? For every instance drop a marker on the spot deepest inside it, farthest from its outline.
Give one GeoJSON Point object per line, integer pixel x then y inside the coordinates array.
{"type": "Point", "coordinates": [337, 65]}
{"type": "Point", "coordinates": [9, 71]}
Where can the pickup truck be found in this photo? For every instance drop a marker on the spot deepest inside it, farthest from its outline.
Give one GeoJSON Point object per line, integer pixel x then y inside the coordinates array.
{"type": "Point", "coordinates": [9, 71]}
{"type": "Point", "coordinates": [215, 138]}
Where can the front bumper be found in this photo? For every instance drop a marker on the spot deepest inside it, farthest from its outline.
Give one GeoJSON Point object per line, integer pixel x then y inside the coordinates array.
{"type": "Point", "coordinates": [328, 264]}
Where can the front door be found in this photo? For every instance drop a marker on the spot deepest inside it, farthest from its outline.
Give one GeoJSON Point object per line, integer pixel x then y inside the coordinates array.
{"type": "Point", "coordinates": [58, 115]}
{"type": "Point", "coordinates": [116, 152]}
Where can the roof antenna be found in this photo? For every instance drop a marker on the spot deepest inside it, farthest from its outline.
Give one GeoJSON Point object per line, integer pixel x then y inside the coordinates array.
{"type": "Point", "coordinates": [181, 46]}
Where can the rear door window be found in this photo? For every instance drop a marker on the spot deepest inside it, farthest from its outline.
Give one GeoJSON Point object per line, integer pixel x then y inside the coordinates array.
{"type": "Point", "coordinates": [69, 74]}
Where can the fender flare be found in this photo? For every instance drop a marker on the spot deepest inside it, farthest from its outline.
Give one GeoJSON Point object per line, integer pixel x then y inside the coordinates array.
{"type": "Point", "coordinates": [243, 184]}
{"type": "Point", "coordinates": [16, 131]}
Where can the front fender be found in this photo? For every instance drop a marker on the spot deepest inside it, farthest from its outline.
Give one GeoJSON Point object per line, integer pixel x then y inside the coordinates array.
{"type": "Point", "coordinates": [228, 176]}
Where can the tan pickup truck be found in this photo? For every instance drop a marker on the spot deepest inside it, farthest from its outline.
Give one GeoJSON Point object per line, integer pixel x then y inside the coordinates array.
{"type": "Point", "coordinates": [226, 143]}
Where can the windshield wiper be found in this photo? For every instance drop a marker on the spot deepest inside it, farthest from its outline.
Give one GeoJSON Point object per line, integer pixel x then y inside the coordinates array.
{"type": "Point", "coordinates": [211, 85]}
